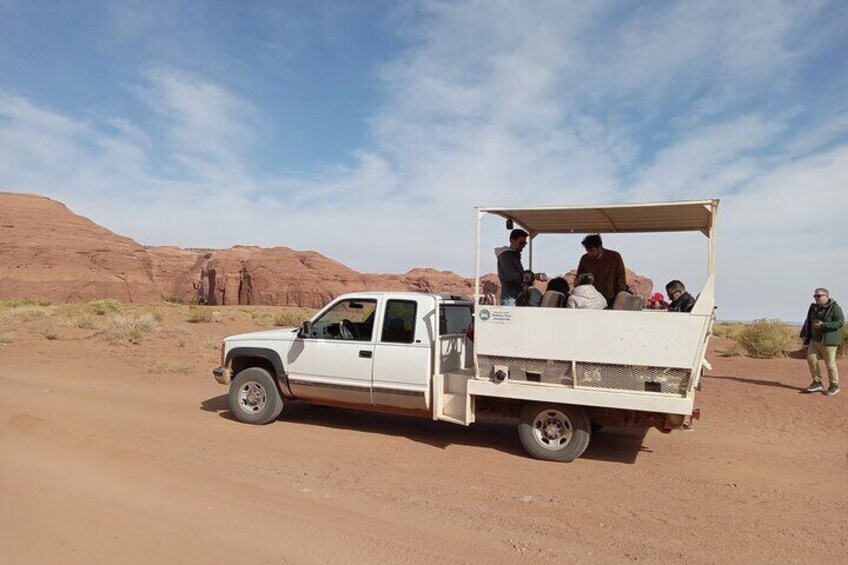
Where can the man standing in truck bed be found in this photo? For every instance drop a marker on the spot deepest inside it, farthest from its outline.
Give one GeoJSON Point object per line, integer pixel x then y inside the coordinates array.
{"type": "Point", "coordinates": [510, 270]}
{"type": "Point", "coordinates": [605, 265]}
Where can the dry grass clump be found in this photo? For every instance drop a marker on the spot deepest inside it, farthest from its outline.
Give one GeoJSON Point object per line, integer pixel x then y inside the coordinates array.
{"type": "Point", "coordinates": [4, 339]}
{"type": "Point", "coordinates": [766, 339]}
{"type": "Point", "coordinates": [129, 328]}
{"type": "Point", "coordinates": [842, 350]}
{"type": "Point", "coordinates": [199, 314]}
{"type": "Point", "coordinates": [50, 334]}
{"type": "Point", "coordinates": [104, 306]}
{"type": "Point", "coordinates": [735, 350]}
{"type": "Point", "coordinates": [730, 330]}
{"type": "Point", "coordinates": [81, 320]}
{"type": "Point", "coordinates": [18, 302]}
{"type": "Point", "coordinates": [23, 313]}
{"type": "Point", "coordinates": [291, 318]}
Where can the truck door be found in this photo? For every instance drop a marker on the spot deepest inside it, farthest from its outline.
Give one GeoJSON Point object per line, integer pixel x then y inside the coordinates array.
{"type": "Point", "coordinates": [402, 360]}
{"type": "Point", "coordinates": [335, 362]}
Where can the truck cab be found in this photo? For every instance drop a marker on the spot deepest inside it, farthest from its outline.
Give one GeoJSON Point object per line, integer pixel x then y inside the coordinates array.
{"type": "Point", "coordinates": [368, 350]}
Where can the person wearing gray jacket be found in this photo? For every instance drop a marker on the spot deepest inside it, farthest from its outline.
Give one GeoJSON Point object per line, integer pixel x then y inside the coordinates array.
{"type": "Point", "coordinates": [510, 270]}
{"type": "Point", "coordinates": [585, 295]}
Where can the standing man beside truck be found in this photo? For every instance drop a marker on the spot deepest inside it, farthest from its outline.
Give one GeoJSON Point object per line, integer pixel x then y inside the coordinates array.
{"type": "Point", "coordinates": [510, 270]}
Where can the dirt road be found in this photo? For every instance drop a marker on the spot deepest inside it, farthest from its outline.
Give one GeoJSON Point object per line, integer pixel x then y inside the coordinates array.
{"type": "Point", "coordinates": [104, 460]}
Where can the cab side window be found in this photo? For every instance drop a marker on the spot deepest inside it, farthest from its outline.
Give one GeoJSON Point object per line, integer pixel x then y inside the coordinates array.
{"type": "Point", "coordinates": [454, 319]}
{"type": "Point", "coordinates": [350, 320]}
{"type": "Point", "coordinates": [399, 322]}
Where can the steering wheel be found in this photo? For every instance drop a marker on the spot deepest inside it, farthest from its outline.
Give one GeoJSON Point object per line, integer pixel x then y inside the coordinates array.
{"type": "Point", "coordinates": [347, 330]}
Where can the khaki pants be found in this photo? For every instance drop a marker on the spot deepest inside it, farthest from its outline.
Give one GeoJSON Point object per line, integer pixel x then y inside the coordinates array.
{"type": "Point", "coordinates": [817, 351]}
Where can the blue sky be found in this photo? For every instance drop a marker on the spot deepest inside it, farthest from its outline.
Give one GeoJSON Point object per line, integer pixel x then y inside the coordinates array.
{"type": "Point", "coordinates": [368, 131]}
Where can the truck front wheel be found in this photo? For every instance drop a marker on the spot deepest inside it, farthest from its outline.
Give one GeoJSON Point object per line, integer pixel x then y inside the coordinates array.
{"type": "Point", "coordinates": [254, 397]}
{"type": "Point", "coordinates": [554, 432]}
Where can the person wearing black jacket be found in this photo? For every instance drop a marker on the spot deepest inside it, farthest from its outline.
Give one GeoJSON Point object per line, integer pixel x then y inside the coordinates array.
{"type": "Point", "coordinates": [510, 270]}
{"type": "Point", "coordinates": [822, 334]}
{"type": "Point", "coordinates": [681, 301]}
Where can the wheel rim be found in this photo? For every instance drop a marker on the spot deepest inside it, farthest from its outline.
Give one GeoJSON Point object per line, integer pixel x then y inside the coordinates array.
{"type": "Point", "coordinates": [552, 429]}
{"type": "Point", "coordinates": [252, 397]}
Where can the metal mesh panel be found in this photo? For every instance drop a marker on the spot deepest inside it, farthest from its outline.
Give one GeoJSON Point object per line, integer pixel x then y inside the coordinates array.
{"type": "Point", "coordinates": [633, 377]}
{"type": "Point", "coordinates": [594, 375]}
{"type": "Point", "coordinates": [527, 370]}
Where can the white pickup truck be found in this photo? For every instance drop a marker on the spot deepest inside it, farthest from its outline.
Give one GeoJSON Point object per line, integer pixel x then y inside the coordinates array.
{"type": "Point", "coordinates": [559, 371]}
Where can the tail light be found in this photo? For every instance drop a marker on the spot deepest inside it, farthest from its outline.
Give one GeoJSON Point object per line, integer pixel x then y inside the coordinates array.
{"type": "Point", "coordinates": [696, 414]}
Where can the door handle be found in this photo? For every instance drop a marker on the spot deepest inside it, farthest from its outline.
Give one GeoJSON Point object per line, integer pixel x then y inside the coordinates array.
{"type": "Point", "coordinates": [365, 353]}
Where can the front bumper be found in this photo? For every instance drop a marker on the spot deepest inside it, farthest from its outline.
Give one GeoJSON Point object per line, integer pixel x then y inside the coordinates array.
{"type": "Point", "coordinates": [223, 375]}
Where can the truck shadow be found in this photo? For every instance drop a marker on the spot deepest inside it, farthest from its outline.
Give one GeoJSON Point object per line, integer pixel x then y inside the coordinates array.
{"type": "Point", "coordinates": [611, 444]}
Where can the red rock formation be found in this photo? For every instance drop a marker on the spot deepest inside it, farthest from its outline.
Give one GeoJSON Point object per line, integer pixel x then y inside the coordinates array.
{"type": "Point", "coordinates": [47, 251]}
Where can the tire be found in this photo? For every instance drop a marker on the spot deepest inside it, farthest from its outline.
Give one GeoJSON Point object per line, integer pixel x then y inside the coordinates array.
{"type": "Point", "coordinates": [254, 398]}
{"type": "Point", "coordinates": [554, 432]}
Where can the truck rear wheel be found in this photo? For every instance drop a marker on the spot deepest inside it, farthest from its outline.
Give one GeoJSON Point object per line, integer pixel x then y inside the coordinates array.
{"type": "Point", "coordinates": [254, 397]}
{"type": "Point", "coordinates": [554, 432]}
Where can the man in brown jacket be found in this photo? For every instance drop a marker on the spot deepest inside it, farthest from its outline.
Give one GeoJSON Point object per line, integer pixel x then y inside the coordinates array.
{"type": "Point", "coordinates": [605, 265]}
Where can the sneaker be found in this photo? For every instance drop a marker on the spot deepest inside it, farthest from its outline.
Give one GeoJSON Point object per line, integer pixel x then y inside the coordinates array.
{"type": "Point", "coordinates": [832, 389]}
{"type": "Point", "coordinates": [814, 387]}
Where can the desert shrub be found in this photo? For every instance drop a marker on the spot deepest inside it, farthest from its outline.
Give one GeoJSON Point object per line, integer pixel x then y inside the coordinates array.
{"type": "Point", "coordinates": [82, 321]}
{"type": "Point", "coordinates": [23, 313]}
{"type": "Point", "coordinates": [18, 302]}
{"type": "Point", "coordinates": [290, 318]}
{"type": "Point", "coordinates": [4, 339]}
{"type": "Point", "coordinates": [728, 329]}
{"type": "Point", "coordinates": [199, 314]}
{"type": "Point", "coordinates": [104, 306]}
{"type": "Point", "coordinates": [129, 328]}
{"type": "Point", "coordinates": [765, 339]}
{"type": "Point", "coordinates": [735, 350]}
{"type": "Point", "coordinates": [50, 333]}
{"type": "Point", "coordinates": [842, 350]}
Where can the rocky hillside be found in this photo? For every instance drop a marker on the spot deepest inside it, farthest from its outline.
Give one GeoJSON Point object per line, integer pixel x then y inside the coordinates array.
{"type": "Point", "coordinates": [47, 251]}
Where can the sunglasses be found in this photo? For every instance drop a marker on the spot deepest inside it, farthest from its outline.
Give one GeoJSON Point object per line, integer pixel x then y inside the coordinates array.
{"type": "Point", "coordinates": [818, 295]}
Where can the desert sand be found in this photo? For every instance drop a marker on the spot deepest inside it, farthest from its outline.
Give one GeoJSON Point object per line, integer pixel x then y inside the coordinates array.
{"type": "Point", "coordinates": [120, 453]}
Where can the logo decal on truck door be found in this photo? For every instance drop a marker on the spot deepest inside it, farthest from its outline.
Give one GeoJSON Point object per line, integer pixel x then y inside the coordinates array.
{"type": "Point", "coordinates": [484, 315]}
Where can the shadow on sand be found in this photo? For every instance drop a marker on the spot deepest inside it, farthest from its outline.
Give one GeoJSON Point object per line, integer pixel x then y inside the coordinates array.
{"type": "Point", "coordinates": [757, 382]}
{"type": "Point", "coordinates": [611, 444]}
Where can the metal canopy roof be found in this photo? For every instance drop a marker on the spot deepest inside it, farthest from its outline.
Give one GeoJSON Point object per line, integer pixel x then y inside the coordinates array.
{"type": "Point", "coordinates": [620, 218]}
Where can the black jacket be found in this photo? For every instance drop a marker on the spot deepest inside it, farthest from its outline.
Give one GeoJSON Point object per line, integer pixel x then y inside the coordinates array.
{"type": "Point", "coordinates": [684, 303]}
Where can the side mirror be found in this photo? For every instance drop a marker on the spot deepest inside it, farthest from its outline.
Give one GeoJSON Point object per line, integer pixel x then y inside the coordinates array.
{"type": "Point", "coordinates": [306, 329]}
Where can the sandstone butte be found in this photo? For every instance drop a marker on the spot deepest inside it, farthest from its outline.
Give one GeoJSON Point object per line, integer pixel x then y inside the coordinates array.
{"type": "Point", "coordinates": [48, 252]}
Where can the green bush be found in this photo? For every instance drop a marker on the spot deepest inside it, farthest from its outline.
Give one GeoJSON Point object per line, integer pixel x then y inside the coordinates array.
{"type": "Point", "coordinates": [104, 306]}
{"type": "Point", "coordinates": [766, 339]}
